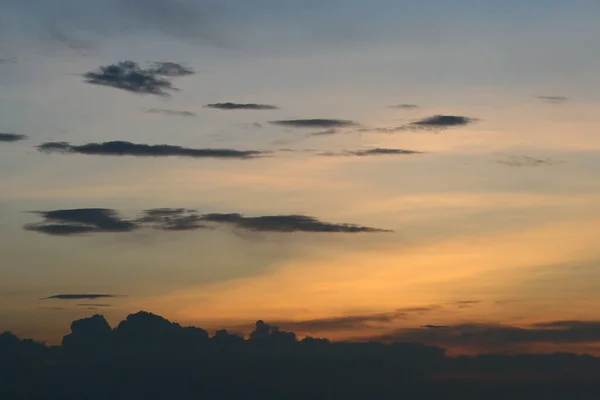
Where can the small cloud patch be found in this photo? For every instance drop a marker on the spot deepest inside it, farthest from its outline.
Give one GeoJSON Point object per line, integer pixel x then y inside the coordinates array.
{"type": "Point", "coordinates": [240, 106]}
{"type": "Point", "coordinates": [11, 137]}
{"type": "Point", "coordinates": [176, 113]}
{"type": "Point", "coordinates": [315, 123]}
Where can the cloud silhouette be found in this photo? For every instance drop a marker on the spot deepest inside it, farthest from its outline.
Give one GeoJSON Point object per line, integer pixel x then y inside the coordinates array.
{"type": "Point", "coordinates": [314, 123]}
{"type": "Point", "coordinates": [11, 137]}
{"type": "Point", "coordinates": [527, 161]}
{"type": "Point", "coordinates": [239, 106]}
{"type": "Point", "coordinates": [342, 323]}
{"type": "Point", "coordinates": [172, 219]}
{"type": "Point", "coordinates": [176, 113]}
{"type": "Point", "coordinates": [405, 106]}
{"type": "Point", "coordinates": [553, 99]}
{"type": "Point", "coordinates": [443, 121]}
{"type": "Point", "coordinates": [129, 76]}
{"type": "Point", "coordinates": [121, 148]}
{"type": "Point", "coordinates": [327, 132]}
{"type": "Point", "coordinates": [79, 296]}
{"type": "Point", "coordinates": [80, 221]}
{"type": "Point", "coordinates": [168, 68]}
{"type": "Point", "coordinates": [285, 223]}
{"type": "Point", "coordinates": [373, 152]}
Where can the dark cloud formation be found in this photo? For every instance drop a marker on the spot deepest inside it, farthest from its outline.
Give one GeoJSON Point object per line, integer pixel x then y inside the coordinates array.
{"type": "Point", "coordinates": [373, 152]}
{"type": "Point", "coordinates": [11, 137]}
{"type": "Point", "coordinates": [405, 106]}
{"type": "Point", "coordinates": [527, 161]}
{"type": "Point", "coordinates": [168, 68]}
{"type": "Point", "coordinates": [80, 221]}
{"type": "Point", "coordinates": [240, 106]}
{"type": "Point", "coordinates": [79, 296]}
{"type": "Point", "coordinates": [172, 219]}
{"type": "Point", "coordinates": [315, 123]}
{"type": "Point", "coordinates": [176, 113]}
{"type": "Point", "coordinates": [285, 223]}
{"type": "Point", "coordinates": [188, 362]}
{"type": "Point", "coordinates": [95, 220]}
{"type": "Point", "coordinates": [553, 99]}
{"type": "Point", "coordinates": [342, 323]}
{"type": "Point", "coordinates": [121, 148]}
{"type": "Point", "coordinates": [129, 76]}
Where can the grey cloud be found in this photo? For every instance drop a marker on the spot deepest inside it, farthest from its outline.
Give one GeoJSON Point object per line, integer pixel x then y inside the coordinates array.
{"type": "Point", "coordinates": [434, 326]}
{"type": "Point", "coordinates": [553, 99]}
{"type": "Point", "coordinates": [373, 152]}
{"type": "Point", "coordinates": [405, 106]}
{"type": "Point", "coordinates": [341, 323]}
{"type": "Point", "coordinates": [327, 132]}
{"type": "Point", "coordinates": [94, 305]}
{"type": "Point", "coordinates": [176, 113]}
{"type": "Point", "coordinates": [11, 137]}
{"type": "Point", "coordinates": [527, 161]}
{"type": "Point", "coordinates": [314, 123]}
{"type": "Point", "coordinates": [80, 221]}
{"type": "Point", "coordinates": [240, 106]}
{"type": "Point", "coordinates": [121, 148]}
{"type": "Point", "coordinates": [285, 223]}
{"type": "Point", "coordinates": [443, 121]}
{"type": "Point", "coordinates": [129, 76]}
{"type": "Point", "coordinates": [79, 296]}
{"type": "Point", "coordinates": [168, 68]}
{"type": "Point", "coordinates": [172, 219]}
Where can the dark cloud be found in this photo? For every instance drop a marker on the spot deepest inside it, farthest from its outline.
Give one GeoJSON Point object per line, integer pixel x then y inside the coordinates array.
{"type": "Point", "coordinates": [80, 221]}
{"type": "Point", "coordinates": [128, 75]}
{"type": "Point", "coordinates": [239, 106]}
{"type": "Point", "coordinates": [167, 68]}
{"type": "Point", "coordinates": [327, 132]}
{"type": "Point", "coordinates": [527, 161]}
{"type": "Point", "coordinates": [342, 323]}
{"type": "Point", "coordinates": [373, 152]}
{"type": "Point", "coordinates": [11, 137]}
{"type": "Point", "coordinates": [285, 223]}
{"type": "Point", "coordinates": [405, 106]}
{"type": "Point", "coordinates": [79, 296]}
{"type": "Point", "coordinates": [443, 121]}
{"type": "Point", "coordinates": [121, 148]}
{"type": "Point", "coordinates": [94, 305]}
{"type": "Point", "coordinates": [176, 113]}
{"type": "Point", "coordinates": [503, 338]}
{"type": "Point", "coordinates": [172, 219]}
{"type": "Point", "coordinates": [314, 123]}
{"type": "Point", "coordinates": [553, 99]}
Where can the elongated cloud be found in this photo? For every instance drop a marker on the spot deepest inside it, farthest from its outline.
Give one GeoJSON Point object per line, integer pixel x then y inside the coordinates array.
{"type": "Point", "coordinates": [11, 137]}
{"type": "Point", "coordinates": [177, 113]}
{"type": "Point", "coordinates": [373, 152]}
{"type": "Point", "coordinates": [285, 223]}
{"type": "Point", "coordinates": [168, 68]}
{"type": "Point", "coordinates": [405, 106]}
{"type": "Point", "coordinates": [314, 123]}
{"type": "Point", "coordinates": [79, 296]}
{"type": "Point", "coordinates": [553, 99]}
{"type": "Point", "coordinates": [172, 219]}
{"type": "Point", "coordinates": [121, 148]}
{"type": "Point", "coordinates": [443, 121]}
{"type": "Point", "coordinates": [241, 106]}
{"type": "Point", "coordinates": [80, 221]}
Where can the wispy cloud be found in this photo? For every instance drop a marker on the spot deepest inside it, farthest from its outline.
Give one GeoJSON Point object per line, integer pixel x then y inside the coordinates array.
{"type": "Point", "coordinates": [79, 296]}
{"type": "Point", "coordinates": [241, 106]}
{"type": "Point", "coordinates": [121, 148]}
{"type": "Point", "coordinates": [373, 152]}
{"type": "Point", "coordinates": [315, 123]}
{"type": "Point", "coordinates": [176, 113]}
{"type": "Point", "coordinates": [80, 221]}
{"type": "Point", "coordinates": [11, 137]}
{"type": "Point", "coordinates": [405, 106]}
{"type": "Point", "coordinates": [172, 219]}
{"type": "Point", "coordinates": [553, 99]}
{"type": "Point", "coordinates": [527, 161]}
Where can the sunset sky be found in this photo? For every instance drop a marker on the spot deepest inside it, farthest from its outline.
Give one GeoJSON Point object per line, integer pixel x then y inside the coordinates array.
{"type": "Point", "coordinates": [448, 152]}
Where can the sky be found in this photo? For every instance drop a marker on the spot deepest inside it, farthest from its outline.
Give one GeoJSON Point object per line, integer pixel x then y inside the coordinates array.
{"type": "Point", "coordinates": [385, 169]}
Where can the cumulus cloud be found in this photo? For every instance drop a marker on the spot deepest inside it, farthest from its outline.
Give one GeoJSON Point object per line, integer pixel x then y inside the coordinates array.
{"type": "Point", "coordinates": [177, 113]}
{"type": "Point", "coordinates": [168, 68]}
{"type": "Point", "coordinates": [241, 106]}
{"type": "Point", "coordinates": [285, 223]}
{"type": "Point", "coordinates": [553, 99]}
{"type": "Point", "coordinates": [79, 296]}
{"type": "Point", "coordinates": [121, 148]}
{"type": "Point", "coordinates": [314, 123]}
{"type": "Point", "coordinates": [373, 152]}
{"type": "Point", "coordinates": [11, 137]}
{"type": "Point", "coordinates": [80, 221]}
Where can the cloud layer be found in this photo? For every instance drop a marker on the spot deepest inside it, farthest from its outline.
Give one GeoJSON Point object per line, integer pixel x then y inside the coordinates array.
{"type": "Point", "coordinates": [121, 148]}
{"type": "Point", "coordinates": [11, 137]}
